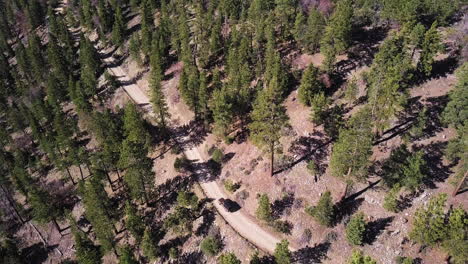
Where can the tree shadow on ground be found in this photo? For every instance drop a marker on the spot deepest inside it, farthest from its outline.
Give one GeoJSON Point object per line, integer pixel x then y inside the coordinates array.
{"type": "Point", "coordinates": [308, 148]}
{"type": "Point", "coordinates": [166, 193]}
{"type": "Point", "coordinates": [189, 135]}
{"type": "Point", "coordinates": [208, 220]}
{"type": "Point", "coordinates": [346, 208]}
{"type": "Point", "coordinates": [375, 228]}
{"type": "Point", "coordinates": [36, 253]}
{"type": "Point", "coordinates": [435, 170]}
{"type": "Point", "coordinates": [310, 255]}
{"type": "Point", "coordinates": [173, 243]}
{"type": "Point", "coordinates": [195, 257]}
{"type": "Point", "coordinates": [206, 171]}
{"type": "Point", "coordinates": [280, 206]}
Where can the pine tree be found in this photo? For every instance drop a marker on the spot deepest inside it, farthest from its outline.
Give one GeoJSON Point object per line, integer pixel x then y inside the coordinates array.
{"type": "Point", "coordinates": [282, 253]}
{"type": "Point", "coordinates": [431, 45]}
{"type": "Point", "coordinates": [86, 251]}
{"type": "Point", "coordinates": [268, 119]}
{"type": "Point", "coordinates": [36, 58]}
{"type": "Point", "coordinates": [315, 27]}
{"type": "Point", "coordinates": [134, 127]}
{"type": "Point", "coordinates": [118, 30]}
{"type": "Point", "coordinates": [228, 258]}
{"type": "Point", "coordinates": [157, 97]}
{"type": "Point", "coordinates": [358, 258]}
{"type": "Point", "coordinates": [134, 222]}
{"type": "Point", "coordinates": [355, 229]}
{"type": "Point", "coordinates": [337, 35]}
{"type": "Point", "coordinates": [429, 223]}
{"type": "Point", "coordinates": [351, 152]}
{"type": "Point", "coordinates": [324, 211]}
{"type": "Point", "coordinates": [44, 208]}
{"type": "Point", "coordinates": [135, 48]}
{"type": "Point", "coordinates": [98, 211]}
{"type": "Point", "coordinates": [139, 176]}
{"type": "Point", "coordinates": [310, 85]}
{"type": "Point", "coordinates": [264, 211]}
{"type": "Point", "coordinates": [203, 97]}
{"type": "Point", "coordinates": [387, 81]}
{"type": "Point", "coordinates": [455, 113]}
{"type": "Point", "coordinates": [455, 242]}
{"type": "Point", "coordinates": [149, 245]}
{"type": "Point", "coordinates": [126, 256]}
{"type": "Point", "coordinates": [222, 108]}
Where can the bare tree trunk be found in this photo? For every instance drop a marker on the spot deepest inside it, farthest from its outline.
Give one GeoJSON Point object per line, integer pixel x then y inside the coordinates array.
{"type": "Point", "coordinates": [57, 226]}
{"type": "Point", "coordinates": [70, 176]}
{"type": "Point", "coordinates": [459, 185]}
{"type": "Point", "coordinates": [343, 195]}
{"type": "Point", "coordinates": [272, 159]}
{"type": "Point", "coordinates": [81, 172]}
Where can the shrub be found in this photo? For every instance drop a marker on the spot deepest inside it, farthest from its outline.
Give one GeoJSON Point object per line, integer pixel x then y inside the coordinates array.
{"type": "Point", "coordinates": [391, 200]}
{"type": "Point", "coordinates": [187, 199]}
{"type": "Point", "coordinates": [355, 229]}
{"type": "Point", "coordinates": [282, 226]}
{"type": "Point", "coordinates": [231, 186]}
{"type": "Point", "coordinates": [358, 258]}
{"type": "Point", "coordinates": [312, 167]}
{"type": "Point", "coordinates": [217, 155]}
{"type": "Point", "coordinates": [173, 253]}
{"type": "Point", "coordinates": [324, 211]}
{"type": "Point", "coordinates": [210, 246]}
{"type": "Point", "coordinates": [181, 163]}
{"type": "Point", "coordinates": [282, 253]}
{"type": "Point", "coordinates": [176, 149]}
{"type": "Point", "coordinates": [264, 211]}
{"type": "Point", "coordinates": [228, 258]}
{"type": "Point", "coordinates": [404, 260]}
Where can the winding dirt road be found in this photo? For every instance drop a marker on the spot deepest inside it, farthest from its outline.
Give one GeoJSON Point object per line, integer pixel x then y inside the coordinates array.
{"type": "Point", "coordinates": [240, 221]}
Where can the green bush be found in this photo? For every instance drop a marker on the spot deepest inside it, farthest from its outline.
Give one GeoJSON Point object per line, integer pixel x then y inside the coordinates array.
{"type": "Point", "coordinates": [181, 163]}
{"type": "Point", "coordinates": [282, 226]}
{"type": "Point", "coordinates": [228, 258]}
{"type": "Point", "coordinates": [312, 167]}
{"type": "Point", "coordinates": [358, 258]}
{"type": "Point", "coordinates": [391, 200]}
{"type": "Point", "coordinates": [324, 211]}
{"type": "Point", "coordinates": [231, 186]}
{"type": "Point", "coordinates": [187, 199]}
{"type": "Point", "coordinates": [217, 155]}
{"type": "Point", "coordinates": [404, 260]}
{"type": "Point", "coordinates": [264, 211]}
{"type": "Point", "coordinates": [210, 246]}
{"type": "Point", "coordinates": [355, 229]}
{"type": "Point", "coordinates": [173, 253]}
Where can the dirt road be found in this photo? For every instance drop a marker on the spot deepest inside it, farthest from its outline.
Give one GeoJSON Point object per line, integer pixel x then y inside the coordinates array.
{"type": "Point", "coordinates": [244, 224]}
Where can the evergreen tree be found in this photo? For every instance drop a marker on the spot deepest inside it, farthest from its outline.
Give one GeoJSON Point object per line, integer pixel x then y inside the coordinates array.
{"type": "Point", "coordinates": [310, 85]}
{"type": "Point", "coordinates": [337, 35]}
{"type": "Point", "coordinates": [282, 253]}
{"type": "Point", "coordinates": [431, 45]}
{"type": "Point", "coordinates": [157, 97]}
{"type": "Point", "coordinates": [387, 81]}
{"type": "Point", "coordinates": [268, 119]}
{"type": "Point", "coordinates": [264, 211]}
{"type": "Point", "coordinates": [98, 211]}
{"type": "Point", "coordinates": [324, 211]}
{"type": "Point", "coordinates": [118, 30]}
{"type": "Point", "coordinates": [222, 108]}
{"type": "Point", "coordinates": [149, 245]}
{"type": "Point", "coordinates": [455, 242]}
{"type": "Point", "coordinates": [228, 258]}
{"type": "Point", "coordinates": [355, 229]}
{"type": "Point", "coordinates": [44, 209]}
{"type": "Point", "coordinates": [126, 256]}
{"type": "Point", "coordinates": [134, 222]}
{"type": "Point", "coordinates": [36, 58]}
{"type": "Point", "coordinates": [358, 258]}
{"type": "Point", "coordinates": [351, 152]}
{"type": "Point", "coordinates": [139, 176]}
{"type": "Point", "coordinates": [429, 223]}
{"type": "Point", "coordinates": [134, 127]}
{"type": "Point", "coordinates": [86, 251]}
{"type": "Point", "coordinates": [456, 113]}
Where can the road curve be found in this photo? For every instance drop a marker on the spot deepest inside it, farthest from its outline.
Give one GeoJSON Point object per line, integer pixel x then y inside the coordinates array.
{"type": "Point", "coordinates": [239, 221]}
